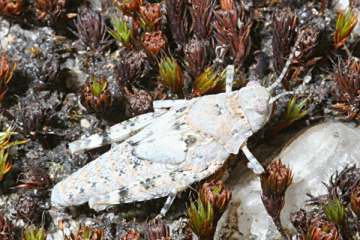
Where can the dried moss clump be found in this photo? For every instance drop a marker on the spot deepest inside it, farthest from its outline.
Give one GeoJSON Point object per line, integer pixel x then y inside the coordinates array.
{"type": "Point", "coordinates": [274, 183]}
{"type": "Point", "coordinates": [6, 75]}
{"type": "Point", "coordinates": [333, 215]}
{"type": "Point", "coordinates": [205, 212]}
{"type": "Point", "coordinates": [5, 144]}
{"type": "Point", "coordinates": [11, 7]}
{"type": "Point", "coordinates": [347, 78]}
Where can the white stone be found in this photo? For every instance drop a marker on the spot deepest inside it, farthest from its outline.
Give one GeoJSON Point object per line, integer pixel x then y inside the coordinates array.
{"type": "Point", "coordinates": [342, 4]}
{"type": "Point", "coordinates": [84, 123]}
{"type": "Point", "coordinates": [313, 156]}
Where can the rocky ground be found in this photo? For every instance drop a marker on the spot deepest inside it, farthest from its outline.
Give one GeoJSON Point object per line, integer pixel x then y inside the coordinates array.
{"type": "Point", "coordinates": [60, 51]}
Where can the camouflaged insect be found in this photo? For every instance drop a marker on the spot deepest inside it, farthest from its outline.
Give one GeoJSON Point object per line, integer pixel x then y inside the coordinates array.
{"type": "Point", "coordinates": [162, 153]}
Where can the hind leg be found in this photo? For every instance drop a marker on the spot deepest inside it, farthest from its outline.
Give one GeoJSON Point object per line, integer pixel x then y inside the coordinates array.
{"type": "Point", "coordinates": [117, 133]}
{"type": "Point", "coordinates": [100, 203]}
{"type": "Point", "coordinates": [121, 131]}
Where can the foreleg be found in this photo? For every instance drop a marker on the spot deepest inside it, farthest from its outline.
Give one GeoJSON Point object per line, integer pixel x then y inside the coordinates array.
{"type": "Point", "coordinates": [288, 63]}
{"type": "Point", "coordinates": [253, 163]}
{"type": "Point", "coordinates": [274, 99]}
{"type": "Point", "coordinates": [230, 72]}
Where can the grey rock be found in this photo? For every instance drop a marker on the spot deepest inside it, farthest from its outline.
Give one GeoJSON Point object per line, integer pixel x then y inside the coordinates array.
{"type": "Point", "coordinates": [313, 156]}
{"type": "Point", "coordinates": [19, 44]}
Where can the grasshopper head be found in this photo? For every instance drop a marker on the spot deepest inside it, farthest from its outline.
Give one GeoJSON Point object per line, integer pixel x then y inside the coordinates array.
{"type": "Point", "coordinates": [255, 102]}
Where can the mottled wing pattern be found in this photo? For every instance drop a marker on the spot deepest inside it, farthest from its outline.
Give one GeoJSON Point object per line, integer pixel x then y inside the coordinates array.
{"type": "Point", "coordinates": [183, 146]}
{"type": "Point", "coordinates": [145, 167]}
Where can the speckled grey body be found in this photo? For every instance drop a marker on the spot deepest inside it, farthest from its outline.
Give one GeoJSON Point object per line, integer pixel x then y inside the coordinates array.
{"type": "Point", "coordinates": [165, 153]}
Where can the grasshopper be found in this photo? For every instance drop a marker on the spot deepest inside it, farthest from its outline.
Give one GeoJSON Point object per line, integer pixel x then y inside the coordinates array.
{"type": "Point", "coordinates": [160, 154]}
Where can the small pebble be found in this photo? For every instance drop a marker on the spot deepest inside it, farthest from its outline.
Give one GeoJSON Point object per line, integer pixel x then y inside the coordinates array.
{"type": "Point", "coordinates": [84, 123]}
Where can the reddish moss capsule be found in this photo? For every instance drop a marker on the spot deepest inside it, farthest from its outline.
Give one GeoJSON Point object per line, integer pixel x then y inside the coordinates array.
{"type": "Point", "coordinates": [150, 14]}
{"type": "Point", "coordinates": [96, 96]}
{"type": "Point", "coordinates": [11, 7]}
{"type": "Point", "coordinates": [227, 5]}
{"type": "Point", "coordinates": [322, 230]}
{"type": "Point", "coordinates": [6, 74]}
{"type": "Point", "coordinates": [276, 179]}
{"type": "Point", "coordinates": [128, 7]}
{"type": "Point", "coordinates": [86, 232]}
{"type": "Point", "coordinates": [216, 194]}
{"type": "Point", "coordinates": [153, 42]}
{"type": "Point", "coordinates": [131, 235]}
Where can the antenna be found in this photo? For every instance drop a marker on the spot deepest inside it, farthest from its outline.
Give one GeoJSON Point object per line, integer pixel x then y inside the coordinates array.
{"type": "Point", "coordinates": [287, 64]}
{"type": "Point", "coordinates": [274, 99]}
